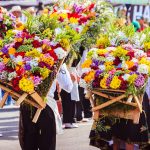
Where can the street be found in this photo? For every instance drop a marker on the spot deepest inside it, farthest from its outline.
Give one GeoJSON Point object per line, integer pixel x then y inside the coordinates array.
{"type": "Point", "coordinates": [71, 139]}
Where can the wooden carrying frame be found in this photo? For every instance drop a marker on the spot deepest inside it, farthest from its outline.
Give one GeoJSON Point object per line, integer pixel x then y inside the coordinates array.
{"type": "Point", "coordinates": [37, 101]}
{"type": "Point", "coordinates": [133, 114]}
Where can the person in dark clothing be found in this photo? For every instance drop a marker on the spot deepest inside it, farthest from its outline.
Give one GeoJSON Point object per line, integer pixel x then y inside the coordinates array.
{"type": "Point", "coordinates": [40, 135]}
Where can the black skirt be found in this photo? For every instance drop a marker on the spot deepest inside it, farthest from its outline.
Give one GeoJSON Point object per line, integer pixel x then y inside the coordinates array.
{"type": "Point", "coordinates": [124, 130]}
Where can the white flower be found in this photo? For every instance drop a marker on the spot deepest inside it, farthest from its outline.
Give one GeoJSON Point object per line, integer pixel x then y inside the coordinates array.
{"type": "Point", "coordinates": [124, 65]}
{"type": "Point", "coordinates": [110, 48]}
{"type": "Point", "coordinates": [139, 53]}
{"type": "Point", "coordinates": [82, 83]}
{"type": "Point", "coordinates": [143, 69]}
{"type": "Point", "coordinates": [60, 53]}
{"type": "Point", "coordinates": [33, 62]}
{"type": "Point", "coordinates": [52, 43]}
{"type": "Point", "coordinates": [11, 75]}
{"type": "Point", "coordinates": [36, 38]}
{"type": "Point", "coordinates": [134, 60]}
{"type": "Point", "coordinates": [85, 70]}
{"type": "Point", "coordinates": [39, 49]}
{"type": "Point", "coordinates": [18, 59]}
{"type": "Point", "coordinates": [102, 67]}
{"type": "Point", "coordinates": [110, 58]}
{"type": "Point", "coordinates": [58, 31]}
{"type": "Point", "coordinates": [125, 77]}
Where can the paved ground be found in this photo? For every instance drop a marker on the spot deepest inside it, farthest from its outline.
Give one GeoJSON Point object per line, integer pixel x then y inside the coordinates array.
{"type": "Point", "coordinates": [72, 139]}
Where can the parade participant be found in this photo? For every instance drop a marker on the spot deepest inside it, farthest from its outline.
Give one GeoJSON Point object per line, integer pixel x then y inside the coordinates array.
{"type": "Point", "coordinates": [42, 135]}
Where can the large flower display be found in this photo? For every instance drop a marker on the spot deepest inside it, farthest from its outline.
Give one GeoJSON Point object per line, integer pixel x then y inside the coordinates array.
{"type": "Point", "coordinates": [117, 64]}
{"type": "Point", "coordinates": [28, 60]}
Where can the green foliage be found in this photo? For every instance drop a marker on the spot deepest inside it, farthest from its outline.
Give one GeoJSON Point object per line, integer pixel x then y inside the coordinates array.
{"type": "Point", "coordinates": [24, 48]}
{"type": "Point", "coordinates": [129, 30]}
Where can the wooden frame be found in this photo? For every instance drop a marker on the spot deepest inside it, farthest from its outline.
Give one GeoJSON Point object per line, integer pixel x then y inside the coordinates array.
{"type": "Point", "coordinates": [34, 98]}
{"type": "Point", "coordinates": [131, 114]}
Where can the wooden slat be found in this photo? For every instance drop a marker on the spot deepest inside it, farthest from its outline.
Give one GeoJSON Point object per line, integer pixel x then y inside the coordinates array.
{"type": "Point", "coordinates": [109, 102]}
{"type": "Point", "coordinates": [111, 97]}
{"type": "Point", "coordinates": [3, 101]}
{"type": "Point", "coordinates": [37, 114]}
{"type": "Point", "coordinates": [38, 99]}
{"type": "Point", "coordinates": [111, 90]}
{"type": "Point", "coordinates": [138, 103]}
{"type": "Point", "coordinates": [21, 98]}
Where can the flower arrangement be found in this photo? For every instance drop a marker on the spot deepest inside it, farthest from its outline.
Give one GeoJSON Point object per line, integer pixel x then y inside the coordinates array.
{"type": "Point", "coordinates": [28, 61]}
{"type": "Point", "coordinates": [121, 67]}
{"type": "Point", "coordinates": [7, 22]}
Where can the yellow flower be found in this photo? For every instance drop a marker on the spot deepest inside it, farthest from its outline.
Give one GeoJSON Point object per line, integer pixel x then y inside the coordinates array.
{"type": "Point", "coordinates": [44, 72]}
{"type": "Point", "coordinates": [103, 41]}
{"type": "Point", "coordinates": [63, 15]}
{"type": "Point", "coordinates": [109, 65]}
{"type": "Point", "coordinates": [88, 78]}
{"type": "Point", "coordinates": [1, 43]}
{"type": "Point", "coordinates": [5, 60]}
{"type": "Point", "coordinates": [144, 61]}
{"type": "Point", "coordinates": [103, 83]}
{"type": "Point", "coordinates": [48, 60]}
{"type": "Point", "coordinates": [115, 83]}
{"type": "Point", "coordinates": [11, 51]}
{"type": "Point", "coordinates": [119, 52]}
{"type": "Point", "coordinates": [87, 63]}
{"type": "Point", "coordinates": [33, 53]}
{"type": "Point", "coordinates": [53, 15]}
{"type": "Point", "coordinates": [132, 78]}
{"type": "Point", "coordinates": [102, 51]}
{"type": "Point", "coordinates": [65, 44]}
{"type": "Point", "coordinates": [26, 85]}
{"type": "Point", "coordinates": [147, 46]}
{"type": "Point", "coordinates": [73, 20]}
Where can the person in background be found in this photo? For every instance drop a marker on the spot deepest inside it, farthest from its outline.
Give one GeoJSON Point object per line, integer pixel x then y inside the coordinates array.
{"type": "Point", "coordinates": [136, 25]}
{"type": "Point", "coordinates": [17, 12]}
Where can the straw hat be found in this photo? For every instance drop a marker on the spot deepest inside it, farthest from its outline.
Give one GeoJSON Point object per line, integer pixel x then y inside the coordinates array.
{"type": "Point", "coordinates": [15, 8]}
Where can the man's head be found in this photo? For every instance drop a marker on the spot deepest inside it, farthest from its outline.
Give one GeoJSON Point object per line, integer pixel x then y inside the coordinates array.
{"type": "Point", "coordinates": [16, 11]}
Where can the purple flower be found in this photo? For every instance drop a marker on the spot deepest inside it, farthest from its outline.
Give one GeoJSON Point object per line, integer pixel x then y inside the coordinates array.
{"type": "Point", "coordinates": [96, 62]}
{"type": "Point", "coordinates": [27, 59]}
{"type": "Point", "coordinates": [98, 72]}
{"type": "Point", "coordinates": [27, 67]}
{"type": "Point", "coordinates": [4, 50]}
{"type": "Point", "coordinates": [140, 80]}
{"type": "Point", "coordinates": [108, 80]}
{"type": "Point", "coordinates": [37, 80]}
{"type": "Point", "coordinates": [2, 66]}
{"type": "Point", "coordinates": [77, 8]}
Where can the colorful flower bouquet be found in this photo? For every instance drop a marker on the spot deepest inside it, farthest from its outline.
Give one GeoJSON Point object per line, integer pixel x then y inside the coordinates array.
{"type": "Point", "coordinates": [117, 75]}
{"type": "Point", "coordinates": [7, 22]}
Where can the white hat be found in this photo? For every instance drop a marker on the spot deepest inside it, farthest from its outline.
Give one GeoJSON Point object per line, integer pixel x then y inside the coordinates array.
{"type": "Point", "coordinates": [15, 8]}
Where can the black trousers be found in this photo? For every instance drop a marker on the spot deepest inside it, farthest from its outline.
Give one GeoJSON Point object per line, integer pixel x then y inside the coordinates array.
{"type": "Point", "coordinates": [68, 107]}
{"type": "Point", "coordinates": [86, 105]}
{"type": "Point", "coordinates": [40, 135]}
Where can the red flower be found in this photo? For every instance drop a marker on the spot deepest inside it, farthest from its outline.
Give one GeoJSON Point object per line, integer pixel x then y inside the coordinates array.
{"type": "Point", "coordinates": [74, 15]}
{"type": "Point", "coordinates": [124, 83]}
{"type": "Point", "coordinates": [36, 44]}
{"type": "Point", "coordinates": [91, 6]}
{"type": "Point", "coordinates": [20, 54]}
{"type": "Point", "coordinates": [20, 71]}
{"type": "Point", "coordinates": [117, 61]}
{"type": "Point", "coordinates": [130, 54]}
{"type": "Point", "coordinates": [52, 54]}
{"type": "Point", "coordinates": [17, 45]}
{"type": "Point", "coordinates": [134, 68]}
{"type": "Point", "coordinates": [83, 20]}
{"type": "Point", "coordinates": [15, 83]}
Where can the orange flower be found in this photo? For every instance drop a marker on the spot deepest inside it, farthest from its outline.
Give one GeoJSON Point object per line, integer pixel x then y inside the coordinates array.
{"type": "Point", "coordinates": [18, 39]}
{"type": "Point", "coordinates": [5, 60]}
{"type": "Point", "coordinates": [130, 64]}
{"type": "Point", "coordinates": [11, 51]}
